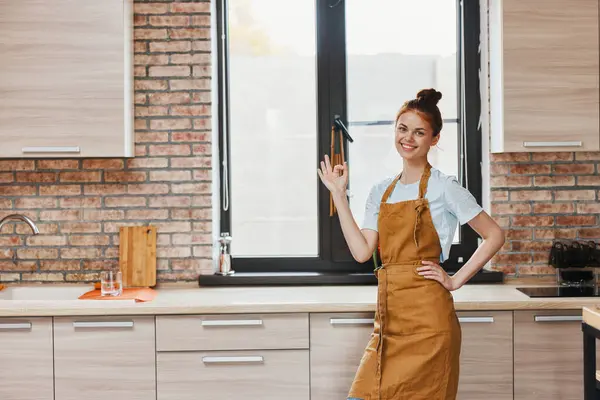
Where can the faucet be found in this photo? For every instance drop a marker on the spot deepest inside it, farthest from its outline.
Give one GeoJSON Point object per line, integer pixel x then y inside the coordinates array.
{"type": "Point", "coordinates": [20, 217]}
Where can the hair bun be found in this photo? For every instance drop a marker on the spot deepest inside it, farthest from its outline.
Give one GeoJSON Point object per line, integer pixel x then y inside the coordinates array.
{"type": "Point", "coordinates": [429, 96]}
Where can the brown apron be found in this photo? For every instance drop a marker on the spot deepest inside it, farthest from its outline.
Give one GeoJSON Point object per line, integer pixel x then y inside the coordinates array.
{"type": "Point", "coordinates": [414, 350]}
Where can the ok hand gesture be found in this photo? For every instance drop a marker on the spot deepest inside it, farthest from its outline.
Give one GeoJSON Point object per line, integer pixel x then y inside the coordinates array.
{"type": "Point", "coordinates": [336, 178]}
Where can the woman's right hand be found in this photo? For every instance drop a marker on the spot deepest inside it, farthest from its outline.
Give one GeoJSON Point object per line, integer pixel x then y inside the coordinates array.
{"type": "Point", "coordinates": [336, 178]}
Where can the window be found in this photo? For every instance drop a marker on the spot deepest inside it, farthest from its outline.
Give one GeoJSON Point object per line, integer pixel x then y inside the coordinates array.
{"type": "Point", "coordinates": [287, 69]}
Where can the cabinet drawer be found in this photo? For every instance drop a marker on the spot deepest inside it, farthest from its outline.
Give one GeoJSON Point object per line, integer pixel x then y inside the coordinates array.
{"type": "Point", "coordinates": [486, 359]}
{"type": "Point", "coordinates": [26, 370]}
{"type": "Point", "coordinates": [105, 358]}
{"type": "Point", "coordinates": [248, 375]}
{"type": "Point", "coordinates": [231, 332]}
{"type": "Point", "coordinates": [548, 355]}
{"type": "Point", "coordinates": [337, 344]}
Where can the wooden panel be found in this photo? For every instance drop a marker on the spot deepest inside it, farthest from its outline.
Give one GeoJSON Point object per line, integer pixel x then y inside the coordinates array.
{"type": "Point", "coordinates": [137, 255]}
{"type": "Point", "coordinates": [66, 77]}
{"type": "Point", "coordinates": [282, 374]}
{"type": "Point", "coordinates": [231, 332]}
{"type": "Point", "coordinates": [26, 370]}
{"type": "Point", "coordinates": [337, 343]}
{"type": "Point", "coordinates": [551, 68]}
{"type": "Point", "coordinates": [105, 357]}
{"type": "Point", "coordinates": [548, 355]}
{"type": "Point", "coordinates": [486, 360]}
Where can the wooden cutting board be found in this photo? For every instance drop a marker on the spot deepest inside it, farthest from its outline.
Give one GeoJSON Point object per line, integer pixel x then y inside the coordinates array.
{"type": "Point", "coordinates": [137, 255]}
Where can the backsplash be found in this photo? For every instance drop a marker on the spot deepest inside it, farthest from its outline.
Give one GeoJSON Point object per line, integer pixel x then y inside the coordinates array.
{"type": "Point", "coordinates": [538, 197]}
{"type": "Point", "coordinates": [79, 204]}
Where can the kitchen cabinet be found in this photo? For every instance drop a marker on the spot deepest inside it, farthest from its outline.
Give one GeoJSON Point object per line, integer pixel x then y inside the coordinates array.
{"type": "Point", "coordinates": [337, 343]}
{"type": "Point", "coordinates": [544, 68]}
{"type": "Point", "coordinates": [548, 355]}
{"type": "Point", "coordinates": [103, 358]}
{"type": "Point", "coordinates": [486, 370]}
{"type": "Point", "coordinates": [245, 356]}
{"type": "Point", "coordinates": [26, 371]}
{"type": "Point", "coordinates": [66, 78]}
{"type": "Point", "coordinates": [232, 332]}
{"type": "Point", "coordinates": [248, 375]}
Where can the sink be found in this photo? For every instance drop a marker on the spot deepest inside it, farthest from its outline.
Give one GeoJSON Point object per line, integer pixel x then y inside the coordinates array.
{"type": "Point", "coordinates": [44, 292]}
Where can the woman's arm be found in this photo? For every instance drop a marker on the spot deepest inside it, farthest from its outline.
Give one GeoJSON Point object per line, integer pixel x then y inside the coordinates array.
{"type": "Point", "coordinates": [493, 240]}
{"type": "Point", "coordinates": [361, 243]}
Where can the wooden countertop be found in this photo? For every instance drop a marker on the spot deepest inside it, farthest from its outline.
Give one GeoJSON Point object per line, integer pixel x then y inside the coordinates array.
{"type": "Point", "coordinates": [195, 300]}
{"type": "Point", "coordinates": [591, 316]}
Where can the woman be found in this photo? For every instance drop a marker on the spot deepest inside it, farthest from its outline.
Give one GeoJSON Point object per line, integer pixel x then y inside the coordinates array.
{"type": "Point", "coordinates": [414, 350]}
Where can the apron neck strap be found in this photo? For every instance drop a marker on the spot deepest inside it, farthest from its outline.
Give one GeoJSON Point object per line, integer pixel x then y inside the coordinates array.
{"type": "Point", "coordinates": [424, 181]}
{"type": "Point", "coordinates": [390, 189]}
{"type": "Point", "coordinates": [422, 184]}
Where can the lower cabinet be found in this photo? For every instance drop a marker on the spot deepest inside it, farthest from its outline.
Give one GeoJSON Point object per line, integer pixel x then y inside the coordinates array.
{"type": "Point", "coordinates": [486, 370]}
{"type": "Point", "coordinates": [233, 356]}
{"type": "Point", "coordinates": [520, 355]}
{"type": "Point", "coordinates": [337, 343]}
{"type": "Point", "coordinates": [248, 375]}
{"type": "Point", "coordinates": [548, 355]}
{"type": "Point", "coordinates": [100, 358]}
{"type": "Point", "coordinates": [26, 371]}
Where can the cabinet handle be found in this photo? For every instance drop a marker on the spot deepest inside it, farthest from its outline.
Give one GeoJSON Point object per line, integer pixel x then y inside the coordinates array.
{"type": "Point", "coordinates": [351, 321]}
{"type": "Point", "coordinates": [103, 324]}
{"type": "Point", "coordinates": [233, 322]}
{"type": "Point", "coordinates": [553, 144]}
{"type": "Point", "coordinates": [233, 359]}
{"type": "Point", "coordinates": [557, 318]}
{"type": "Point", "coordinates": [51, 149]}
{"type": "Point", "coordinates": [15, 325]}
{"type": "Point", "coordinates": [476, 319]}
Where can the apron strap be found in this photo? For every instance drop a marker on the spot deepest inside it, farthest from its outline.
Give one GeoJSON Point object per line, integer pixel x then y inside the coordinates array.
{"type": "Point", "coordinates": [424, 181]}
{"type": "Point", "coordinates": [390, 189]}
{"type": "Point", "coordinates": [421, 204]}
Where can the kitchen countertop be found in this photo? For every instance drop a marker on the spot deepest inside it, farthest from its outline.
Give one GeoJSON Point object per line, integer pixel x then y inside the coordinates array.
{"type": "Point", "coordinates": [591, 315]}
{"type": "Point", "coordinates": [191, 299]}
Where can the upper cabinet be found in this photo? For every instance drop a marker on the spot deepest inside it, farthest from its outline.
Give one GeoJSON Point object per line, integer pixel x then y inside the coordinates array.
{"type": "Point", "coordinates": [544, 67]}
{"type": "Point", "coordinates": [66, 80]}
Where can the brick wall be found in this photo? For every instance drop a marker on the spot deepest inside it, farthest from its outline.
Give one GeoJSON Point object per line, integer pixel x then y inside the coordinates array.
{"type": "Point", "coordinates": [79, 204]}
{"type": "Point", "coordinates": [538, 197]}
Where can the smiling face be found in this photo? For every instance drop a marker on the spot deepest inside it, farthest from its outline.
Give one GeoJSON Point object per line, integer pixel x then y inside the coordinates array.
{"type": "Point", "coordinates": [414, 136]}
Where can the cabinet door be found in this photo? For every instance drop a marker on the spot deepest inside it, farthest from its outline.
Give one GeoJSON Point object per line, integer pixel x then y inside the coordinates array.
{"type": "Point", "coordinates": [337, 343]}
{"type": "Point", "coordinates": [247, 375]}
{"type": "Point", "coordinates": [103, 358]}
{"type": "Point", "coordinates": [548, 355]}
{"type": "Point", "coordinates": [26, 371]}
{"type": "Point", "coordinates": [66, 78]}
{"type": "Point", "coordinates": [486, 370]}
{"type": "Point", "coordinates": [550, 67]}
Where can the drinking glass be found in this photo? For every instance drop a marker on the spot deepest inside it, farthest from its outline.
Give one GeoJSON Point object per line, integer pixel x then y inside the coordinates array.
{"type": "Point", "coordinates": [111, 283]}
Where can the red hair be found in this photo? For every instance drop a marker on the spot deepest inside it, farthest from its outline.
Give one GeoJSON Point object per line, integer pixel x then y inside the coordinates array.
{"type": "Point", "coordinates": [426, 105]}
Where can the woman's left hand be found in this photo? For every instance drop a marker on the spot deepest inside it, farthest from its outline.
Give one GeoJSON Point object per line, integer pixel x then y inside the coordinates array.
{"type": "Point", "coordinates": [431, 270]}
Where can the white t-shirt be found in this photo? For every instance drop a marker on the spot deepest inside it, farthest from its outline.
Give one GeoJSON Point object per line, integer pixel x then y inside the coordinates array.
{"type": "Point", "coordinates": [449, 204]}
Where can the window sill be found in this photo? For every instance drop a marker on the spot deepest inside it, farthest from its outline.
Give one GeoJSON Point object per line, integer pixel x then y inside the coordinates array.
{"type": "Point", "coordinates": [316, 278]}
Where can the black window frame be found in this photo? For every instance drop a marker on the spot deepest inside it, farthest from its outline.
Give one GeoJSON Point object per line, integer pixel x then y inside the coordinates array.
{"type": "Point", "coordinates": [334, 256]}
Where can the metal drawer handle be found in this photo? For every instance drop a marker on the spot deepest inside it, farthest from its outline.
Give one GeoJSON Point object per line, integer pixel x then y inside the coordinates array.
{"type": "Point", "coordinates": [476, 319]}
{"type": "Point", "coordinates": [15, 325]}
{"type": "Point", "coordinates": [557, 318]}
{"type": "Point", "coordinates": [51, 149]}
{"type": "Point", "coordinates": [553, 144]}
{"type": "Point", "coordinates": [233, 359]}
{"type": "Point", "coordinates": [351, 321]}
{"type": "Point", "coordinates": [233, 322]}
{"type": "Point", "coordinates": [101, 324]}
